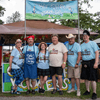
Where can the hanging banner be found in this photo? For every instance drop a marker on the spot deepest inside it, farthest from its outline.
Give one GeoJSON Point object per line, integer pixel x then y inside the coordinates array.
{"type": "Point", "coordinates": [8, 82]}
{"type": "Point", "coordinates": [51, 10]}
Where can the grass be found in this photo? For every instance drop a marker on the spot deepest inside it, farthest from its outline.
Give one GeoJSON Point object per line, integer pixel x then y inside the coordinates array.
{"type": "Point", "coordinates": [48, 93]}
{"type": "Point", "coordinates": [39, 16]}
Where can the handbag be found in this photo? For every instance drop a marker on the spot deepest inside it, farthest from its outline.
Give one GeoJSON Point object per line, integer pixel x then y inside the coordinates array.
{"type": "Point", "coordinates": [86, 63]}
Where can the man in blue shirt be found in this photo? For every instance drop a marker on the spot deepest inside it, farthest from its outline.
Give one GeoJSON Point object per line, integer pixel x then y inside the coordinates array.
{"type": "Point", "coordinates": [74, 54]}
{"type": "Point", "coordinates": [30, 67]}
{"type": "Point", "coordinates": [90, 57]}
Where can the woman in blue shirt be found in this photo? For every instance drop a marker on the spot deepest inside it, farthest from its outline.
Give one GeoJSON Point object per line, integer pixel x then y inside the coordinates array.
{"type": "Point", "coordinates": [15, 64]}
{"type": "Point", "coordinates": [43, 65]}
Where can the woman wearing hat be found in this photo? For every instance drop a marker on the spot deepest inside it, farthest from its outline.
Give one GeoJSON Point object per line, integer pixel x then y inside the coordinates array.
{"type": "Point", "coordinates": [43, 65]}
{"type": "Point", "coordinates": [15, 66]}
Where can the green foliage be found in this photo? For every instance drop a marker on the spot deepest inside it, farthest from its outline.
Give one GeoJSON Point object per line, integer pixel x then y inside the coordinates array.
{"type": "Point", "coordinates": [1, 22]}
{"type": "Point", "coordinates": [86, 19]}
{"type": "Point", "coordinates": [14, 18]}
{"type": "Point", "coordinates": [1, 13]}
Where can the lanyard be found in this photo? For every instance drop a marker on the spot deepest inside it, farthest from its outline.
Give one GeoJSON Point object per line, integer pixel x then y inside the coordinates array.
{"type": "Point", "coordinates": [71, 48]}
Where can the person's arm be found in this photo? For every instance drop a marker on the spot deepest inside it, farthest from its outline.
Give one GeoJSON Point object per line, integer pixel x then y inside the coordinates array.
{"type": "Point", "coordinates": [10, 62]}
{"type": "Point", "coordinates": [78, 59]}
{"type": "Point", "coordinates": [23, 54]}
{"type": "Point", "coordinates": [64, 60]}
{"type": "Point", "coordinates": [96, 59]}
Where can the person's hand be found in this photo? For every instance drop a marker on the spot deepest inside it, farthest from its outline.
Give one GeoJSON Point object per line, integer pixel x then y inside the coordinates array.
{"type": "Point", "coordinates": [95, 66]}
{"type": "Point", "coordinates": [63, 65]}
{"type": "Point", "coordinates": [10, 69]}
{"type": "Point", "coordinates": [76, 66]}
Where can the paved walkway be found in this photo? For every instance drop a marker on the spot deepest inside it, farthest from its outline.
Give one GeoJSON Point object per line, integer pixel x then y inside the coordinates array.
{"type": "Point", "coordinates": [39, 98]}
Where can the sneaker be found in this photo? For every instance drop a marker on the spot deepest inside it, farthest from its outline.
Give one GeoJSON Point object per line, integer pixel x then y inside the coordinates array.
{"type": "Point", "coordinates": [71, 90]}
{"type": "Point", "coordinates": [61, 92]}
{"type": "Point", "coordinates": [94, 96]}
{"type": "Point", "coordinates": [54, 91]}
{"type": "Point", "coordinates": [40, 90]}
{"type": "Point", "coordinates": [78, 93]}
{"type": "Point", "coordinates": [12, 91]}
{"type": "Point", "coordinates": [28, 91]}
{"type": "Point", "coordinates": [86, 93]}
{"type": "Point", "coordinates": [33, 91]}
{"type": "Point", "coordinates": [17, 92]}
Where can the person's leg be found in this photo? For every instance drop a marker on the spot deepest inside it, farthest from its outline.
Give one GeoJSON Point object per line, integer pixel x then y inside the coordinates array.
{"type": "Point", "coordinates": [42, 90]}
{"type": "Point", "coordinates": [41, 81]}
{"type": "Point", "coordinates": [28, 83]}
{"type": "Point", "coordinates": [94, 95]}
{"type": "Point", "coordinates": [77, 77]}
{"type": "Point", "coordinates": [87, 84]}
{"type": "Point", "coordinates": [73, 82]}
{"type": "Point", "coordinates": [17, 81]}
{"type": "Point", "coordinates": [33, 83]}
{"type": "Point", "coordinates": [93, 83]}
{"type": "Point", "coordinates": [60, 81]}
{"type": "Point", "coordinates": [54, 81]}
{"type": "Point", "coordinates": [44, 80]}
{"type": "Point", "coordinates": [78, 86]}
{"type": "Point", "coordinates": [72, 76]}
{"type": "Point", "coordinates": [14, 88]}
{"type": "Point", "coordinates": [78, 83]}
{"type": "Point", "coordinates": [53, 74]}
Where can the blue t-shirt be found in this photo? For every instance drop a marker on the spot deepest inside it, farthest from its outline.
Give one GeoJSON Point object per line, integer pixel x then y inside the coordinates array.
{"type": "Point", "coordinates": [73, 53]}
{"type": "Point", "coordinates": [88, 50]}
{"type": "Point", "coordinates": [31, 48]}
{"type": "Point", "coordinates": [16, 54]}
{"type": "Point", "coordinates": [43, 64]}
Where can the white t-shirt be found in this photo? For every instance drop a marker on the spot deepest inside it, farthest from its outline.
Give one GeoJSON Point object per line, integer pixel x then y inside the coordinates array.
{"type": "Point", "coordinates": [56, 54]}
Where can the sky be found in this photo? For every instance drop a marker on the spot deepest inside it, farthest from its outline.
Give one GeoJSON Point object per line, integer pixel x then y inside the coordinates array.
{"type": "Point", "coordinates": [12, 6]}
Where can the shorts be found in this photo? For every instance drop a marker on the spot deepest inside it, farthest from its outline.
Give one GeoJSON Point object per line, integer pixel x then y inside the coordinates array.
{"type": "Point", "coordinates": [56, 70]}
{"type": "Point", "coordinates": [18, 75]}
{"type": "Point", "coordinates": [89, 73]}
{"type": "Point", "coordinates": [73, 72]}
{"type": "Point", "coordinates": [43, 72]}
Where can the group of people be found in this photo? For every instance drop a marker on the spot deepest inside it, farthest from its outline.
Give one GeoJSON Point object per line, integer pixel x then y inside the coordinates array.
{"type": "Point", "coordinates": [42, 62]}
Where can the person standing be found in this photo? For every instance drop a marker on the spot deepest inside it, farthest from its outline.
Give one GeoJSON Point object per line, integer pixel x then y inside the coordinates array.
{"type": "Point", "coordinates": [15, 65]}
{"type": "Point", "coordinates": [30, 67]}
{"type": "Point", "coordinates": [74, 55]}
{"type": "Point", "coordinates": [90, 57]}
{"type": "Point", "coordinates": [43, 65]}
{"type": "Point", "coordinates": [57, 61]}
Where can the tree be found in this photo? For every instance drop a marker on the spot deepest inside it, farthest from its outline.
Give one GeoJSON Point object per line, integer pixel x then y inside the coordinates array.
{"type": "Point", "coordinates": [86, 19]}
{"type": "Point", "coordinates": [14, 18]}
{"type": "Point", "coordinates": [1, 13]}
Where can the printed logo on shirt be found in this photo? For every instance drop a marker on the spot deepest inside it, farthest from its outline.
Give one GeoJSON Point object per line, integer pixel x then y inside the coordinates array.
{"type": "Point", "coordinates": [53, 51]}
{"type": "Point", "coordinates": [70, 52]}
{"type": "Point", "coordinates": [85, 52]}
{"type": "Point", "coordinates": [43, 58]}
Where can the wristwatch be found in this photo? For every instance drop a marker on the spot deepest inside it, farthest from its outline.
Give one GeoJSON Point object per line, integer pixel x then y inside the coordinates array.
{"type": "Point", "coordinates": [76, 63]}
